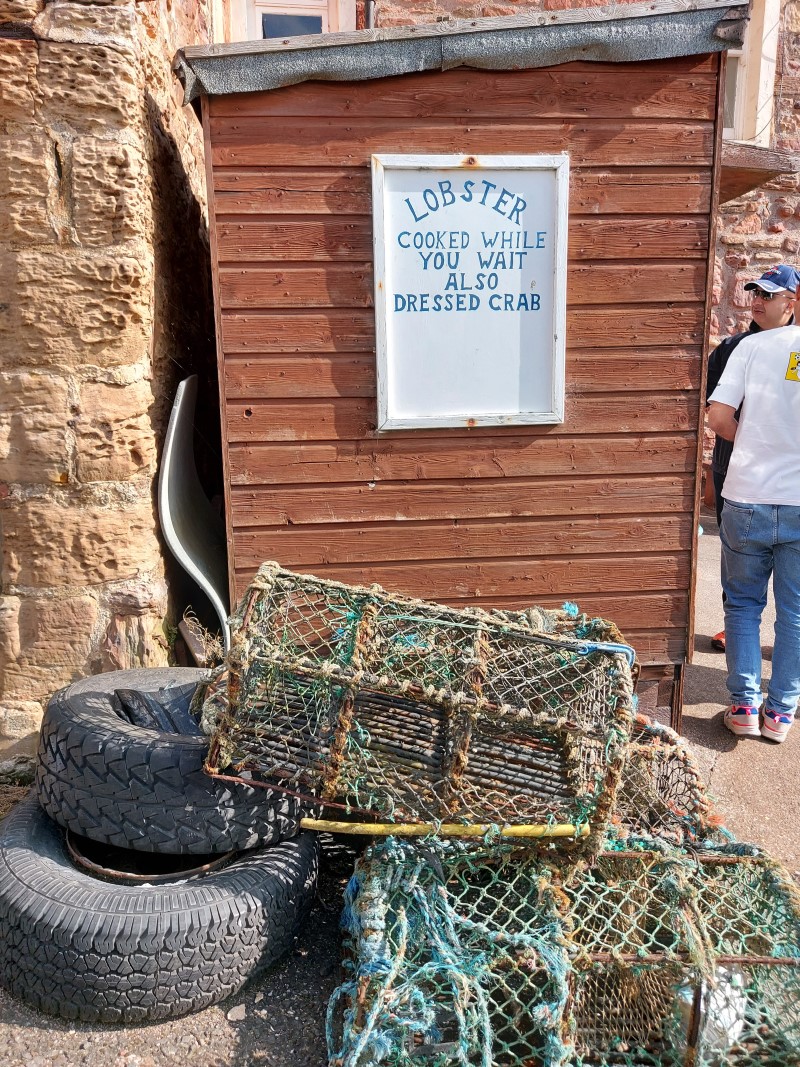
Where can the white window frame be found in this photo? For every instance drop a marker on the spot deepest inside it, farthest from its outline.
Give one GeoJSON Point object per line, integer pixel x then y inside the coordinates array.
{"type": "Point", "coordinates": [244, 16]}
{"type": "Point", "coordinates": [755, 80]}
{"type": "Point", "coordinates": [733, 54]}
{"type": "Point", "coordinates": [257, 8]}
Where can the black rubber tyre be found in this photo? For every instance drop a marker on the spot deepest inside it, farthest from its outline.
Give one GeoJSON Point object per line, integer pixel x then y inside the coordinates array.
{"type": "Point", "coordinates": [75, 946]}
{"type": "Point", "coordinates": [134, 786]}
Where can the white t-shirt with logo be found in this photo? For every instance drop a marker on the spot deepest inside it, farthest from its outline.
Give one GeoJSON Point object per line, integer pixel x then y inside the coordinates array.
{"type": "Point", "coordinates": [763, 373]}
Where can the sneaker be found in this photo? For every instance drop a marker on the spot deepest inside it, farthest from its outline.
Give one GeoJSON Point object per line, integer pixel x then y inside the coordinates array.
{"type": "Point", "coordinates": [718, 641]}
{"type": "Point", "coordinates": [776, 725]}
{"type": "Point", "coordinates": [742, 720]}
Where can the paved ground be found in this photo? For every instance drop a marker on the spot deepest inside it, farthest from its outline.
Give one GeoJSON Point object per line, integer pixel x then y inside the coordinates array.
{"type": "Point", "coordinates": [279, 1020]}
{"type": "Point", "coordinates": [756, 783]}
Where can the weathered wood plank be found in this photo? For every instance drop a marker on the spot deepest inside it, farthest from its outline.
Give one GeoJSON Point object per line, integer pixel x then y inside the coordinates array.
{"type": "Point", "coordinates": [662, 610]}
{"type": "Point", "coordinates": [447, 457]}
{"type": "Point", "coordinates": [745, 167]}
{"type": "Point", "coordinates": [316, 239]}
{"type": "Point", "coordinates": [346, 330]}
{"type": "Point", "coordinates": [339, 375]}
{"type": "Point", "coordinates": [530, 578]}
{"type": "Point", "coordinates": [294, 191]}
{"type": "Point", "coordinates": [674, 192]}
{"type": "Point", "coordinates": [331, 285]}
{"type": "Point", "coordinates": [351, 285]}
{"type": "Point", "coordinates": [319, 240]}
{"type": "Point", "coordinates": [658, 646]}
{"type": "Point", "coordinates": [313, 546]}
{"type": "Point", "coordinates": [672, 324]}
{"type": "Point", "coordinates": [350, 418]}
{"type": "Point", "coordinates": [635, 238]}
{"type": "Point", "coordinates": [264, 141]}
{"type": "Point", "coordinates": [643, 91]}
{"type": "Point", "coordinates": [347, 191]}
{"type": "Point", "coordinates": [642, 610]}
{"type": "Point", "coordinates": [307, 331]}
{"type": "Point", "coordinates": [281, 377]}
{"type": "Point", "coordinates": [602, 370]}
{"type": "Point", "coordinates": [502, 498]}
{"type": "Point", "coordinates": [622, 283]}
{"type": "Point", "coordinates": [661, 644]}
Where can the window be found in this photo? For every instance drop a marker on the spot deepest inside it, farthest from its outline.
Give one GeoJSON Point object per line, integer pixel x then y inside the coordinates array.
{"type": "Point", "coordinates": [266, 17]}
{"type": "Point", "coordinates": [251, 20]}
{"type": "Point", "coordinates": [274, 25]}
{"type": "Point", "coordinates": [750, 78]}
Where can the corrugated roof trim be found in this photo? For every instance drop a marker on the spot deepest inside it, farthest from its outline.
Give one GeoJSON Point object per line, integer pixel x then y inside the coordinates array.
{"type": "Point", "coordinates": [691, 27]}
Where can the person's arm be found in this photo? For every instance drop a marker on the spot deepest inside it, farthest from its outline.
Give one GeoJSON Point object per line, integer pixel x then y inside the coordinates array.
{"type": "Point", "coordinates": [729, 393]}
{"type": "Point", "coordinates": [722, 420]}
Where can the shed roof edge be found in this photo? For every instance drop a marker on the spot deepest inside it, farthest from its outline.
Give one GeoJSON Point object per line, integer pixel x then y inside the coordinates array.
{"type": "Point", "coordinates": [614, 33]}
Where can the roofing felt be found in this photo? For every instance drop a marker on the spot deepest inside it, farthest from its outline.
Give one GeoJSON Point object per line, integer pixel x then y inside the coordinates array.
{"type": "Point", "coordinates": [622, 33]}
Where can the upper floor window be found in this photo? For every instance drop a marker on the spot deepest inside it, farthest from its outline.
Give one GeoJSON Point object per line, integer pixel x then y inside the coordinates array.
{"type": "Point", "coordinates": [750, 78]}
{"type": "Point", "coordinates": [249, 20]}
{"type": "Point", "coordinates": [280, 24]}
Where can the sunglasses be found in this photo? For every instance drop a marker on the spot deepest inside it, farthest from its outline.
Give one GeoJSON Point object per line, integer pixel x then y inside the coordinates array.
{"type": "Point", "coordinates": [764, 295]}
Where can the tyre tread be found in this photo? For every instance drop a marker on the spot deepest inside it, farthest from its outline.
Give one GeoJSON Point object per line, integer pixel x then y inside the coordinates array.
{"type": "Point", "coordinates": [136, 788]}
{"type": "Point", "coordinates": [73, 946]}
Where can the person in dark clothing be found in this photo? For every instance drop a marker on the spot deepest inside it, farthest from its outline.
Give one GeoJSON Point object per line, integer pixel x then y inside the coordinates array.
{"type": "Point", "coordinates": [721, 456]}
{"type": "Point", "coordinates": [773, 304]}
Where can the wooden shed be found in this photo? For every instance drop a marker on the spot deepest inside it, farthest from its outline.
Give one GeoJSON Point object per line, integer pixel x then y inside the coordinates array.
{"type": "Point", "coordinates": [601, 508]}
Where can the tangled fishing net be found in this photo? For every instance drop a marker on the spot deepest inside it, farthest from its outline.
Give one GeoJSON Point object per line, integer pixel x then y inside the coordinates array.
{"type": "Point", "coordinates": [676, 946]}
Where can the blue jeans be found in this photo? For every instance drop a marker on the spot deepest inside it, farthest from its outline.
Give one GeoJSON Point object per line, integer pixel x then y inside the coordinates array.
{"type": "Point", "coordinates": [759, 540]}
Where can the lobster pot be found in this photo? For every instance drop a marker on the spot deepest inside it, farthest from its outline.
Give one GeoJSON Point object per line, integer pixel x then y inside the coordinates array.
{"type": "Point", "coordinates": [457, 954]}
{"type": "Point", "coordinates": [415, 712]}
{"type": "Point", "coordinates": [682, 958]}
{"type": "Point", "coordinates": [740, 1015]}
{"type": "Point", "coordinates": [661, 794]}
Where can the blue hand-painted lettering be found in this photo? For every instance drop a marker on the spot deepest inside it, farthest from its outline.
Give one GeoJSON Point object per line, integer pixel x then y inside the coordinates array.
{"type": "Point", "coordinates": [436, 197]}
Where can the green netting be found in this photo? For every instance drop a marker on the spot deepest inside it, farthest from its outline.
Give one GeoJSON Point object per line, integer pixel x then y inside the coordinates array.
{"type": "Point", "coordinates": [661, 798]}
{"type": "Point", "coordinates": [677, 946]}
{"type": "Point", "coordinates": [486, 955]}
{"type": "Point", "coordinates": [741, 1015]}
{"type": "Point", "coordinates": [416, 712]}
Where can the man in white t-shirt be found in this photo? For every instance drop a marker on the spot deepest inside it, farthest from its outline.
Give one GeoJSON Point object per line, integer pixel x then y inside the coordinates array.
{"type": "Point", "coordinates": [760, 531]}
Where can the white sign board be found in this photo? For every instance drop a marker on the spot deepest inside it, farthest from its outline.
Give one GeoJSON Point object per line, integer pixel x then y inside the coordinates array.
{"type": "Point", "coordinates": [470, 289]}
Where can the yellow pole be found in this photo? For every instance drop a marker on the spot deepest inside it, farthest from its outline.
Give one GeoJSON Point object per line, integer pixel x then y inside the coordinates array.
{"type": "Point", "coordinates": [448, 829]}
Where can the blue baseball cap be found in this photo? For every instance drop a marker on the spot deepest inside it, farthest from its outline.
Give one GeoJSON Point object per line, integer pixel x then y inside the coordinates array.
{"type": "Point", "coordinates": [782, 278]}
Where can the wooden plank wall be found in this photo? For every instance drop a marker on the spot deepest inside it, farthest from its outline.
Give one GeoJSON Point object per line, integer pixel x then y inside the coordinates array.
{"type": "Point", "coordinates": [597, 510]}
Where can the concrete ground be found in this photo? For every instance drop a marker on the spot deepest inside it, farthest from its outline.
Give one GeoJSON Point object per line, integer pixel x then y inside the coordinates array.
{"type": "Point", "coordinates": [755, 783]}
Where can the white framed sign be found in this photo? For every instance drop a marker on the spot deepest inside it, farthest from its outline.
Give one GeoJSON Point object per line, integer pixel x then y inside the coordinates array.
{"type": "Point", "coordinates": [470, 289]}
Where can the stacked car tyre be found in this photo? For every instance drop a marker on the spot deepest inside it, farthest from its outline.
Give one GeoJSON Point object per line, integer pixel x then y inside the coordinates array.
{"type": "Point", "coordinates": [87, 931]}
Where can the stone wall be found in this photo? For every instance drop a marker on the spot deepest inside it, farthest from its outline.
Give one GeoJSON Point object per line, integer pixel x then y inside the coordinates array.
{"type": "Point", "coordinates": [104, 305]}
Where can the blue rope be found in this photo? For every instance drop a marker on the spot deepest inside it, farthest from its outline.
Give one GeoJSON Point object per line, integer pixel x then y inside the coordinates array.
{"type": "Point", "coordinates": [610, 647]}
{"type": "Point", "coordinates": [405, 953]}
